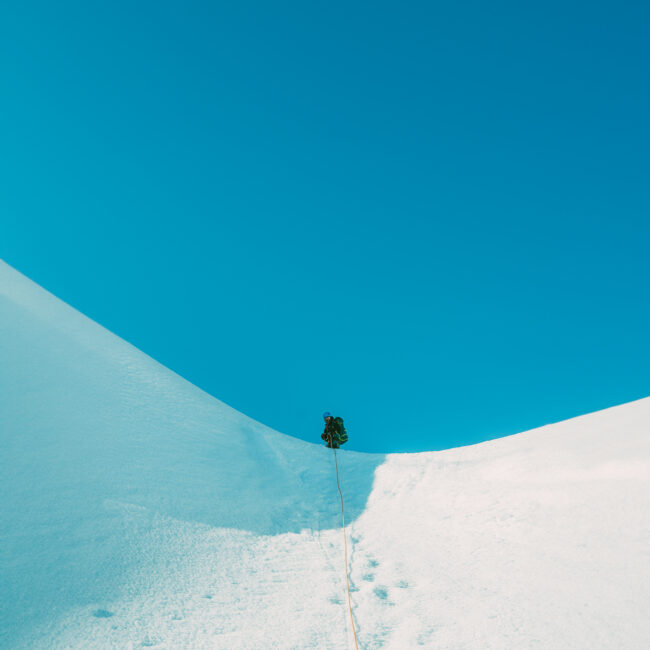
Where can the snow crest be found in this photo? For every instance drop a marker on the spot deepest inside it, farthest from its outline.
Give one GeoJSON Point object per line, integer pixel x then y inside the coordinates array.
{"type": "Point", "coordinates": [139, 511]}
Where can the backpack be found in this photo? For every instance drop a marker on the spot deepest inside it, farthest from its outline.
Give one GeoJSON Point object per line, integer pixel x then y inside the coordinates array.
{"type": "Point", "coordinates": [343, 435]}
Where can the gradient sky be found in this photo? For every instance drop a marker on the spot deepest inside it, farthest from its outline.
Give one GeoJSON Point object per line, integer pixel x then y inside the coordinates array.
{"type": "Point", "coordinates": [429, 218]}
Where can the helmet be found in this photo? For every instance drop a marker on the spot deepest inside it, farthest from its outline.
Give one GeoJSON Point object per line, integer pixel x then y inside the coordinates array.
{"type": "Point", "coordinates": [327, 414]}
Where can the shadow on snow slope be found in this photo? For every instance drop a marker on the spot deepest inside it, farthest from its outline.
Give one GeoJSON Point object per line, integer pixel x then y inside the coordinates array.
{"type": "Point", "coordinates": [88, 421]}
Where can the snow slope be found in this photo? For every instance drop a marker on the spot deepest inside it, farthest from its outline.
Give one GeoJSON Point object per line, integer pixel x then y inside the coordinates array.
{"type": "Point", "coordinates": [139, 511]}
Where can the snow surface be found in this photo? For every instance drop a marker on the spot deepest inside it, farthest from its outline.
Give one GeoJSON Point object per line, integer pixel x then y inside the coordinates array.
{"type": "Point", "coordinates": [139, 511]}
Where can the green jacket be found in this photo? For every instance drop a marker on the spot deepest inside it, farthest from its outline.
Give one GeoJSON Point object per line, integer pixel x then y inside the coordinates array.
{"type": "Point", "coordinates": [335, 429]}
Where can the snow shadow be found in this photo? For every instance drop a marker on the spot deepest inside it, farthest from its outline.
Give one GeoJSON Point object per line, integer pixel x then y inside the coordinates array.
{"type": "Point", "coordinates": [257, 480]}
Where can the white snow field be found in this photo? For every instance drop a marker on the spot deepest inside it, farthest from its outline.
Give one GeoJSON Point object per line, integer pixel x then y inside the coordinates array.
{"type": "Point", "coordinates": [137, 511]}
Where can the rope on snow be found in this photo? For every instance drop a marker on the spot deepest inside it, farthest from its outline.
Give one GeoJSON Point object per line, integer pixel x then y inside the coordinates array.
{"type": "Point", "coordinates": [345, 545]}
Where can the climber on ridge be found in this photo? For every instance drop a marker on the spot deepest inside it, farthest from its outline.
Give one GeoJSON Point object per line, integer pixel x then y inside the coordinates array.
{"type": "Point", "coordinates": [335, 434]}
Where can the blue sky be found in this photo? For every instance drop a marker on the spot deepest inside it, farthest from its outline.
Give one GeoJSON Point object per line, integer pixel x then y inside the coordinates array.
{"type": "Point", "coordinates": [431, 219]}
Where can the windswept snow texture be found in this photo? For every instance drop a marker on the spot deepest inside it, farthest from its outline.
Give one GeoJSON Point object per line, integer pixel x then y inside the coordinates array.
{"type": "Point", "coordinates": [138, 511]}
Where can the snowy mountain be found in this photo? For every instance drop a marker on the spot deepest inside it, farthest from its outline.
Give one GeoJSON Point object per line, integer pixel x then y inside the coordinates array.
{"type": "Point", "coordinates": [139, 511]}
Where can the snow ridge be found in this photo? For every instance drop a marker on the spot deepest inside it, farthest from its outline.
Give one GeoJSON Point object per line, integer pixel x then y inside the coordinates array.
{"type": "Point", "coordinates": [139, 511]}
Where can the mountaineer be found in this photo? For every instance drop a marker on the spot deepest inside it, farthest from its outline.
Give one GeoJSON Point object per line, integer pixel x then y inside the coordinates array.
{"type": "Point", "coordinates": [335, 434]}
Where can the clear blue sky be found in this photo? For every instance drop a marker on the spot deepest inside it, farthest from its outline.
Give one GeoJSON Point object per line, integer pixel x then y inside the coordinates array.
{"type": "Point", "coordinates": [429, 218]}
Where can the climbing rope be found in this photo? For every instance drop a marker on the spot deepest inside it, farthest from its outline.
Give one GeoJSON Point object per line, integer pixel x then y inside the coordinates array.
{"type": "Point", "coordinates": [345, 545]}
